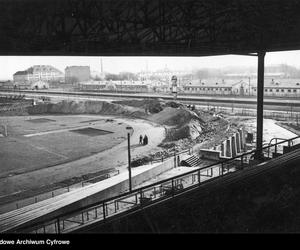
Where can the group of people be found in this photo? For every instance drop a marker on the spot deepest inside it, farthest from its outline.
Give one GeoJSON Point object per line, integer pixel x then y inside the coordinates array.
{"type": "Point", "coordinates": [144, 141]}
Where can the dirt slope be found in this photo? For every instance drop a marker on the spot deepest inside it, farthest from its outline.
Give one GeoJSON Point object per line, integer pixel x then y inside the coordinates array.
{"type": "Point", "coordinates": [173, 117]}
{"type": "Point", "coordinates": [87, 107]}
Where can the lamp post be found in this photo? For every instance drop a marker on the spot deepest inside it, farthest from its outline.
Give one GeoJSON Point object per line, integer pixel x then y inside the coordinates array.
{"type": "Point", "coordinates": [129, 160]}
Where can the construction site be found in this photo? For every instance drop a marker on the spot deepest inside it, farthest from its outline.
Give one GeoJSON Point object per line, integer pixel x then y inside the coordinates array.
{"type": "Point", "coordinates": [50, 150]}
{"type": "Point", "coordinates": [87, 162]}
{"type": "Point", "coordinates": [62, 143]}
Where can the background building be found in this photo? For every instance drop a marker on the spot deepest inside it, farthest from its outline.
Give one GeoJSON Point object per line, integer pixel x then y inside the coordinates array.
{"type": "Point", "coordinates": [38, 73]}
{"type": "Point", "coordinates": [76, 74]}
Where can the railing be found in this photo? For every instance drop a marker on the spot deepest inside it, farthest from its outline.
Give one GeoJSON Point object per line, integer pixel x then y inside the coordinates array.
{"type": "Point", "coordinates": [172, 154]}
{"type": "Point", "coordinates": [55, 192]}
{"type": "Point", "coordinates": [148, 195]}
{"type": "Point", "coordinates": [280, 146]}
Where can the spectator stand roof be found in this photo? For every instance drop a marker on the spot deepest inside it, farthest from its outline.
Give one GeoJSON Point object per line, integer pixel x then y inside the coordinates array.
{"type": "Point", "coordinates": [148, 27]}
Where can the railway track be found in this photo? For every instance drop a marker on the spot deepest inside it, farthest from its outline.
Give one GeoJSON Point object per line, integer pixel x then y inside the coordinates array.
{"type": "Point", "coordinates": [185, 98]}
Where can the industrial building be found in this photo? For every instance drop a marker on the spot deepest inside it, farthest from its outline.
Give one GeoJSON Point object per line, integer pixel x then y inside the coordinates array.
{"type": "Point", "coordinates": [38, 73]}
{"type": "Point", "coordinates": [76, 74]}
{"type": "Point", "coordinates": [126, 86]}
{"type": "Point", "coordinates": [278, 88]}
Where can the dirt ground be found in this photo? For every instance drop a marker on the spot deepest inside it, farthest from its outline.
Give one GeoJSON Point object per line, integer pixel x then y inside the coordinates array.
{"type": "Point", "coordinates": [113, 154]}
{"type": "Point", "coordinates": [37, 142]}
{"type": "Point", "coordinates": [70, 139]}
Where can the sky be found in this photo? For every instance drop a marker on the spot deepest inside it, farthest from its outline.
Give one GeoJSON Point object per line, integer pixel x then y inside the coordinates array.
{"type": "Point", "coordinates": [11, 64]}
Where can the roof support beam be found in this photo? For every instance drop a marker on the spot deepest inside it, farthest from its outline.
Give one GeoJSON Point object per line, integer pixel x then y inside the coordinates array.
{"type": "Point", "coordinates": [246, 54]}
{"type": "Point", "coordinates": [260, 105]}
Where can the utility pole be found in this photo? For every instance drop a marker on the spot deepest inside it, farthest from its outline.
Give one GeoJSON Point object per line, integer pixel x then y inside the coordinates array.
{"type": "Point", "coordinates": [129, 160]}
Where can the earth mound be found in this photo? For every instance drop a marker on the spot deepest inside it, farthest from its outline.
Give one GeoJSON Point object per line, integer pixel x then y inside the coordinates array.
{"type": "Point", "coordinates": [152, 105]}
{"type": "Point", "coordinates": [182, 123]}
{"type": "Point", "coordinates": [87, 107]}
{"type": "Point", "coordinates": [173, 117]}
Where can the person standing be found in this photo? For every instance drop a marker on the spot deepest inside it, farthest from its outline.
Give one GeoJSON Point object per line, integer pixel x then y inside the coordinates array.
{"type": "Point", "coordinates": [141, 139]}
{"type": "Point", "coordinates": [145, 140]}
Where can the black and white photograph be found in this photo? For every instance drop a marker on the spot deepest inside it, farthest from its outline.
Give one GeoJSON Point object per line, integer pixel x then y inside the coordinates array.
{"type": "Point", "coordinates": [148, 116]}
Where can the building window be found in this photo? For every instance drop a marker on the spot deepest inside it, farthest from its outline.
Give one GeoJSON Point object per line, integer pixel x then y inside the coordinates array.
{"type": "Point", "coordinates": [282, 90]}
{"type": "Point", "coordinates": [289, 90]}
{"type": "Point", "coordinates": [277, 90]}
{"type": "Point", "coordinates": [294, 90]}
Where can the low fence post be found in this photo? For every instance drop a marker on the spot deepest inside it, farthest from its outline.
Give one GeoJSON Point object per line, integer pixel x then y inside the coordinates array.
{"type": "Point", "coordinates": [82, 217]}
{"type": "Point", "coordinates": [58, 226]}
{"type": "Point", "coordinates": [103, 206]}
{"type": "Point", "coordinates": [141, 195]}
{"type": "Point", "coordinates": [242, 161]}
{"type": "Point", "coordinates": [222, 167]}
{"type": "Point", "coordinates": [173, 189]}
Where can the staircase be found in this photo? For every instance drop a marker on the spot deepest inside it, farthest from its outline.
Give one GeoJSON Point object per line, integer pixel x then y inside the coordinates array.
{"type": "Point", "coordinates": [192, 161]}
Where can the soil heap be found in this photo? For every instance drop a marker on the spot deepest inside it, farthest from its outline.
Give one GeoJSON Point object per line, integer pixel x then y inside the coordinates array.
{"type": "Point", "coordinates": [87, 107]}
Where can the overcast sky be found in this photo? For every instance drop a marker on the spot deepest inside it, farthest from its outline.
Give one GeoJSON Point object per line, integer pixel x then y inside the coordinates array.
{"type": "Point", "coordinates": [10, 64]}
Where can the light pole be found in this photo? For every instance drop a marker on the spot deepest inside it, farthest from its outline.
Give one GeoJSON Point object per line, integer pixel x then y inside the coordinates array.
{"type": "Point", "coordinates": [129, 160]}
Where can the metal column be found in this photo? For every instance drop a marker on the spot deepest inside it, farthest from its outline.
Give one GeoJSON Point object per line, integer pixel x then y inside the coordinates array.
{"type": "Point", "coordinates": [260, 105]}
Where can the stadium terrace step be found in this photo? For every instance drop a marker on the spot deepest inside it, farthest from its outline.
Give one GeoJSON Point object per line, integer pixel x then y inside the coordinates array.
{"type": "Point", "coordinates": [192, 161]}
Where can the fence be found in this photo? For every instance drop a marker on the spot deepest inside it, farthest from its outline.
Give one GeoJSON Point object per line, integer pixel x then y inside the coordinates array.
{"type": "Point", "coordinates": [171, 154]}
{"type": "Point", "coordinates": [47, 195]}
{"type": "Point", "coordinates": [153, 193]}
{"type": "Point", "coordinates": [277, 115]}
